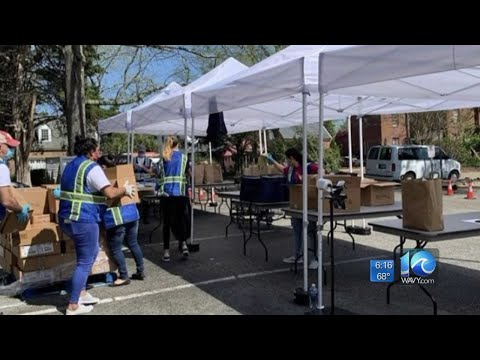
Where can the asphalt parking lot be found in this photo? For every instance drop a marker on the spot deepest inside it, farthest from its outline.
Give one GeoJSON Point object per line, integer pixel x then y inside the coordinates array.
{"type": "Point", "coordinates": [220, 280]}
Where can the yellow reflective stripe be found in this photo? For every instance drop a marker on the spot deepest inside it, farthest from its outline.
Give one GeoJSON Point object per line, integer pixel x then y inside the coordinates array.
{"type": "Point", "coordinates": [81, 175]}
{"type": "Point", "coordinates": [88, 198]}
{"type": "Point", "coordinates": [75, 210]}
{"type": "Point", "coordinates": [117, 216]}
{"type": "Point", "coordinates": [184, 178]}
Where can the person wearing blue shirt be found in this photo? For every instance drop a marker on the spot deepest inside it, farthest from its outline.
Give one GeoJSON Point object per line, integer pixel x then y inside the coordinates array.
{"type": "Point", "coordinates": [84, 189]}
{"type": "Point", "coordinates": [121, 223]}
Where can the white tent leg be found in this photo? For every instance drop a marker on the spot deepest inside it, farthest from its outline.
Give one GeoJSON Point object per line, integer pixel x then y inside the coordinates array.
{"type": "Point", "coordinates": [360, 137]}
{"type": "Point", "coordinates": [128, 147]}
{"type": "Point", "coordinates": [193, 180]}
{"type": "Point", "coordinates": [211, 162]}
{"type": "Point", "coordinates": [349, 126]}
{"type": "Point", "coordinates": [131, 145]}
{"type": "Point", "coordinates": [185, 134]}
{"type": "Point", "coordinates": [320, 208]}
{"type": "Point", "coordinates": [265, 140]}
{"type": "Point", "coordinates": [304, 193]}
{"type": "Point", "coordinates": [260, 140]}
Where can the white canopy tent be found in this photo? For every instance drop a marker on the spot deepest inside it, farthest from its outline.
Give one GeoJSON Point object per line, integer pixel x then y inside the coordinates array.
{"type": "Point", "coordinates": [295, 71]}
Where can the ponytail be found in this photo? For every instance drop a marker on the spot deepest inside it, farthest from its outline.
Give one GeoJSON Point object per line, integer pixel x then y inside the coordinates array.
{"type": "Point", "coordinates": [170, 144]}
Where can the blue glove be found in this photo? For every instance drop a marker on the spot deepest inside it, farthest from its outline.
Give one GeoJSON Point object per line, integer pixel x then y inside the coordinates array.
{"type": "Point", "coordinates": [22, 216]}
{"type": "Point", "coordinates": [270, 158]}
{"type": "Point", "coordinates": [56, 193]}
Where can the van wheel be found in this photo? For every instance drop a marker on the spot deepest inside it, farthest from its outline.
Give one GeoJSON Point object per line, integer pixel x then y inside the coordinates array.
{"type": "Point", "coordinates": [409, 176]}
{"type": "Point", "coordinates": [454, 175]}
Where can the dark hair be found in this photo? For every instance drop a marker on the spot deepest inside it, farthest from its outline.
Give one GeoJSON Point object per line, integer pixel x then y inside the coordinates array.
{"type": "Point", "coordinates": [107, 161]}
{"type": "Point", "coordinates": [295, 154]}
{"type": "Point", "coordinates": [84, 145]}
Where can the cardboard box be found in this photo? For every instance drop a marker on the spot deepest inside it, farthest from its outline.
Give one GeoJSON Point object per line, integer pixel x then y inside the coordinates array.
{"type": "Point", "coordinates": [37, 198]}
{"type": "Point", "coordinates": [377, 193]}
{"type": "Point", "coordinates": [46, 262]}
{"type": "Point", "coordinates": [9, 223]}
{"type": "Point", "coordinates": [53, 204]}
{"type": "Point", "coordinates": [46, 233]}
{"type": "Point", "coordinates": [43, 277]}
{"type": "Point", "coordinates": [352, 190]}
{"type": "Point", "coordinates": [118, 175]}
{"type": "Point", "coordinates": [28, 251]}
{"type": "Point", "coordinates": [39, 220]}
{"type": "Point", "coordinates": [7, 260]}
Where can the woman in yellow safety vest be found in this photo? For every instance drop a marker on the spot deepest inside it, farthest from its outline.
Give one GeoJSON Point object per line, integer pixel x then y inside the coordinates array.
{"type": "Point", "coordinates": [121, 223]}
{"type": "Point", "coordinates": [175, 203]}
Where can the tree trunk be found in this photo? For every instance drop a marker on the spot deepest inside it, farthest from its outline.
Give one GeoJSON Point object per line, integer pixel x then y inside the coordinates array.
{"type": "Point", "coordinates": [277, 134]}
{"type": "Point", "coordinates": [23, 110]}
{"type": "Point", "coordinates": [74, 94]}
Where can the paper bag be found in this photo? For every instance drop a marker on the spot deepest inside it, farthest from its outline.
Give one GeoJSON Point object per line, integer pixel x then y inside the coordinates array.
{"type": "Point", "coordinates": [213, 174]}
{"type": "Point", "coordinates": [199, 173]}
{"type": "Point", "coordinates": [422, 202]}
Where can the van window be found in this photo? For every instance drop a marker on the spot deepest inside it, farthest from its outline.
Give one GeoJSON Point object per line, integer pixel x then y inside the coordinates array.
{"type": "Point", "coordinates": [373, 154]}
{"type": "Point", "coordinates": [440, 154]}
{"type": "Point", "coordinates": [412, 153]}
{"type": "Point", "coordinates": [386, 153]}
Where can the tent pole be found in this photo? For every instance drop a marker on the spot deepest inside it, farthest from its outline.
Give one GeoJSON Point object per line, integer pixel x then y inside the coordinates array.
{"type": "Point", "coordinates": [260, 140]}
{"type": "Point", "coordinates": [132, 143]}
{"type": "Point", "coordinates": [320, 207]}
{"type": "Point", "coordinates": [185, 135]}
{"type": "Point", "coordinates": [305, 193]}
{"type": "Point", "coordinates": [349, 126]}
{"type": "Point", "coordinates": [265, 140]}
{"type": "Point", "coordinates": [193, 179]}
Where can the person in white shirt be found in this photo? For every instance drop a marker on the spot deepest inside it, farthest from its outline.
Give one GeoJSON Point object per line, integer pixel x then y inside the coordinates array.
{"type": "Point", "coordinates": [7, 201]}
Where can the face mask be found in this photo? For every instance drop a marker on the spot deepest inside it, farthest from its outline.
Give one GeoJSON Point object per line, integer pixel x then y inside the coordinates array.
{"type": "Point", "coordinates": [9, 155]}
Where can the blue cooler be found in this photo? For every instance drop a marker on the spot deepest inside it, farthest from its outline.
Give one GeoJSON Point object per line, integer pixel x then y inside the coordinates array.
{"type": "Point", "coordinates": [273, 189]}
{"type": "Point", "coordinates": [264, 189]}
{"type": "Point", "coordinates": [249, 188]}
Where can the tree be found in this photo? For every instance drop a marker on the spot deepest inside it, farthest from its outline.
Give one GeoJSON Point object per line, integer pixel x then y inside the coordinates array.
{"type": "Point", "coordinates": [17, 106]}
{"type": "Point", "coordinates": [427, 127]}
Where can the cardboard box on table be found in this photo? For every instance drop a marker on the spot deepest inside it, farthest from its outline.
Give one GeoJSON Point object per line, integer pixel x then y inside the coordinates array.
{"type": "Point", "coordinates": [351, 189]}
{"type": "Point", "coordinates": [377, 193]}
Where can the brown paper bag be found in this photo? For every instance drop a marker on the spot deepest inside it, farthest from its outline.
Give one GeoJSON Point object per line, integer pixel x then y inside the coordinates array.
{"type": "Point", "coordinates": [199, 173]}
{"type": "Point", "coordinates": [422, 202]}
{"type": "Point", "coordinates": [213, 174]}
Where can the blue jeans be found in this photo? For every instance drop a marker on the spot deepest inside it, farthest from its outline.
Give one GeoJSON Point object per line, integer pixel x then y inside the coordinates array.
{"type": "Point", "coordinates": [297, 225]}
{"type": "Point", "coordinates": [116, 236]}
{"type": "Point", "coordinates": [85, 236]}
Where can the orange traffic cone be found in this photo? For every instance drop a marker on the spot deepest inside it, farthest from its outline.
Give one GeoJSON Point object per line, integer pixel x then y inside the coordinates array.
{"type": "Point", "coordinates": [450, 188]}
{"type": "Point", "coordinates": [470, 194]}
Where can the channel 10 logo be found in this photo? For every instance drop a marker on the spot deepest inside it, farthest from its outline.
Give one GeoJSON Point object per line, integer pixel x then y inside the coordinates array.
{"type": "Point", "coordinates": [420, 262]}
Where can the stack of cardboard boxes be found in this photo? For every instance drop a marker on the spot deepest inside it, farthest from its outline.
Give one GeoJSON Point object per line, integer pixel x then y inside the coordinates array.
{"type": "Point", "coordinates": [37, 252]}
{"type": "Point", "coordinates": [359, 193]}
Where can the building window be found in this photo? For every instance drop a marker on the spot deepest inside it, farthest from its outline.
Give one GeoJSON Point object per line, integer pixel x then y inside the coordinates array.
{"type": "Point", "coordinates": [395, 141]}
{"type": "Point", "coordinates": [395, 120]}
{"type": "Point", "coordinates": [44, 134]}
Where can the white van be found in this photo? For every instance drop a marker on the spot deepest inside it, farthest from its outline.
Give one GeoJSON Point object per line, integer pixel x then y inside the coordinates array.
{"type": "Point", "coordinates": [398, 162]}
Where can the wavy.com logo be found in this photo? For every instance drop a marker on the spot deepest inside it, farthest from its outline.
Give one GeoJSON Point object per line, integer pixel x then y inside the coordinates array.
{"type": "Point", "coordinates": [421, 263]}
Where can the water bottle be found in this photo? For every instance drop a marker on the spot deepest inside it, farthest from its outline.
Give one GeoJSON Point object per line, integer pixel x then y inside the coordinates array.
{"type": "Point", "coordinates": [313, 296]}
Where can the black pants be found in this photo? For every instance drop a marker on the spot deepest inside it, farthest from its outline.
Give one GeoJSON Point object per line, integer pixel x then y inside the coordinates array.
{"type": "Point", "coordinates": [176, 212]}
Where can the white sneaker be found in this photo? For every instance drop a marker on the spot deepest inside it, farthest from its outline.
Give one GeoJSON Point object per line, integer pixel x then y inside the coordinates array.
{"type": "Point", "coordinates": [313, 265]}
{"type": "Point", "coordinates": [88, 299]}
{"type": "Point", "coordinates": [291, 260]}
{"type": "Point", "coordinates": [82, 309]}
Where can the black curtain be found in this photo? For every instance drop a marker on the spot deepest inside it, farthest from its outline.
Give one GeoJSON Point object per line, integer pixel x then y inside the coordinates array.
{"type": "Point", "coordinates": [216, 130]}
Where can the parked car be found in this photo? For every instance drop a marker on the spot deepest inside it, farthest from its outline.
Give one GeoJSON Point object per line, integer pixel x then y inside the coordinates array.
{"type": "Point", "coordinates": [397, 162]}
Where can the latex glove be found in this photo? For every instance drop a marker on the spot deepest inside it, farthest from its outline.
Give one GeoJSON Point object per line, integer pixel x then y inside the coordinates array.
{"type": "Point", "coordinates": [22, 216]}
{"type": "Point", "coordinates": [56, 193]}
{"type": "Point", "coordinates": [129, 189]}
{"type": "Point", "coordinates": [269, 158]}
